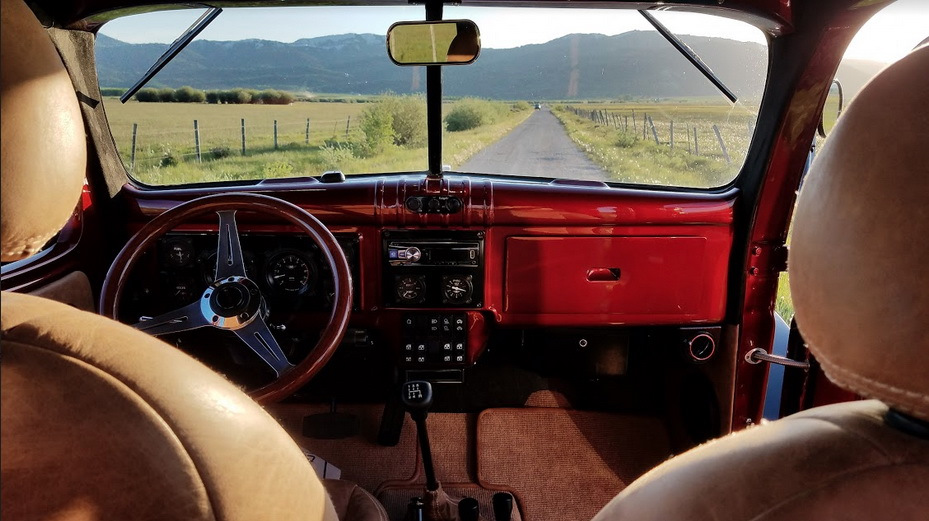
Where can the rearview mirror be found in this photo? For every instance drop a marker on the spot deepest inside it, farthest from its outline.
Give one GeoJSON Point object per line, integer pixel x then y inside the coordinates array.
{"type": "Point", "coordinates": [449, 42]}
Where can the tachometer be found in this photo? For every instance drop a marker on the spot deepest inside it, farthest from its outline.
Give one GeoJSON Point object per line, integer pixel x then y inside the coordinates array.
{"type": "Point", "coordinates": [290, 273]}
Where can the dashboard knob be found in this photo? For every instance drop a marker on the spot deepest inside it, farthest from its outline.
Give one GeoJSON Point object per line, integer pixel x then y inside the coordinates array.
{"type": "Point", "coordinates": [453, 205]}
{"type": "Point", "coordinates": [413, 254]}
{"type": "Point", "coordinates": [414, 204]}
{"type": "Point", "coordinates": [433, 204]}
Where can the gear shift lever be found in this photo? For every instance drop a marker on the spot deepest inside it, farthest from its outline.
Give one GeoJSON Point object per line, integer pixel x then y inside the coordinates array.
{"type": "Point", "coordinates": [417, 398]}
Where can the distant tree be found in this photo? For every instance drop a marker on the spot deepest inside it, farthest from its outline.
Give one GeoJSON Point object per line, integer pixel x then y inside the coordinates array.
{"type": "Point", "coordinates": [147, 95]}
{"type": "Point", "coordinates": [166, 95]}
{"type": "Point", "coordinates": [189, 95]}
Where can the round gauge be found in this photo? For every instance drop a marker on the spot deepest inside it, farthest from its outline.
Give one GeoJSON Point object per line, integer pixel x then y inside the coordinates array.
{"type": "Point", "coordinates": [457, 289]}
{"type": "Point", "coordinates": [183, 290]}
{"type": "Point", "coordinates": [289, 273]}
{"type": "Point", "coordinates": [410, 289]}
{"type": "Point", "coordinates": [178, 252]}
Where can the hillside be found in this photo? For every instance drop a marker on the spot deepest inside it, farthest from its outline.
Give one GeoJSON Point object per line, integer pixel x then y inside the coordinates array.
{"type": "Point", "coordinates": [579, 66]}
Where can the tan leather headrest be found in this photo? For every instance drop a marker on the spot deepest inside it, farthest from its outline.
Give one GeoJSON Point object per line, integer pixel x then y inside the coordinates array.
{"type": "Point", "coordinates": [859, 258]}
{"type": "Point", "coordinates": [44, 155]}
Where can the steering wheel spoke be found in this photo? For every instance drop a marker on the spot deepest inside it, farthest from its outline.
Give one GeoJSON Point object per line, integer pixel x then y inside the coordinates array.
{"type": "Point", "coordinates": [257, 336]}
{"type": "Point", "coordinates": [182, 319]}
{"type": "Point", "coordinates": [229, 259]}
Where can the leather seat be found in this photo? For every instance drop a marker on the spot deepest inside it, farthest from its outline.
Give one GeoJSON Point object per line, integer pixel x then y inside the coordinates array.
{"type": "Point", "coordinates": [100, 421]}
{"type": "Point", "coordinates": [860, 285]}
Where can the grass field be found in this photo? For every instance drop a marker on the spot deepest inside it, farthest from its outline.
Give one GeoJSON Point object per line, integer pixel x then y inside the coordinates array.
{"type": "Point", "coordinates": [619, 137]}
{"type": "Point", "coordinates": [165, 151]}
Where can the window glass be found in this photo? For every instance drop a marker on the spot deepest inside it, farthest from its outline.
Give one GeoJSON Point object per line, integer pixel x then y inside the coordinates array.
{"type": "Point", "coordinates": [561, 93]}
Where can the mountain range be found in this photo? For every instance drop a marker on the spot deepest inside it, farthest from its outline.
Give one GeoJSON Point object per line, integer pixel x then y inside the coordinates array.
{"type": "Point", "coordinates": [577, 66]}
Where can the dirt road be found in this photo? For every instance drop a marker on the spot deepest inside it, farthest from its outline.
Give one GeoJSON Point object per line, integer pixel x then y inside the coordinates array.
{"type": "Point", "coordinates": [537, 147]}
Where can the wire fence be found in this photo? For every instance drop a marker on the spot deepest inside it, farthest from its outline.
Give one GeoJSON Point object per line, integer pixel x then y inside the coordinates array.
{"type": "Point", "coordinates": [146, 148]}
{"type": "Point", "coordinates": [725, 140]}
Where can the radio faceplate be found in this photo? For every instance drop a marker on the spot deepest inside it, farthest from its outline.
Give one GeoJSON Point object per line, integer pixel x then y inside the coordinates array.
{"type": "Point", "coordinates": [433, 269]}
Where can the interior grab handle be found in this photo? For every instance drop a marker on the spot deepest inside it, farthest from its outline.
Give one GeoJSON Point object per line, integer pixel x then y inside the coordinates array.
{"type": "Point", "coordinates": [603, 274]}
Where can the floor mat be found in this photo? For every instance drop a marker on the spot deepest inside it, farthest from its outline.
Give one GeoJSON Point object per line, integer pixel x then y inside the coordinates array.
{"type": "Point", "coordinates": [396, 499]}
{"type": "Point", "coordinates": [374, 466]}
{"type": "Point", "coordinates": [565, 464]}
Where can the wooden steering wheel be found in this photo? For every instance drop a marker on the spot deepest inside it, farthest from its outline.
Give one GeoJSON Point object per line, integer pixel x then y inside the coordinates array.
{"type": "Point", "coordinates": [234, 302]}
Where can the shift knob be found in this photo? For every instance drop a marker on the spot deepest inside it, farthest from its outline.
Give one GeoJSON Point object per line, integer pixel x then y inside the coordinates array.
{"type": "Point", "coordinates": [416, 395]}
{"type": "Point", "coordinates": [503, 506]}
{"type": "Point", "coordinates": [469, 509]}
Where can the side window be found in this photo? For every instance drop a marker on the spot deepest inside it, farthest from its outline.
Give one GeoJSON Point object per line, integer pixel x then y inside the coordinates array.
{"type": "Point", "coordinates": [887, 37]}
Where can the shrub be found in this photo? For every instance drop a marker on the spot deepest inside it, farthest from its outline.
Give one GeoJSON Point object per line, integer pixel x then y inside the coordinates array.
{"type": "Point", "coordinates": [220, 152]}
{"type": "Point", "coordinates": [112, 92]}
{"type": "Point", "coordinates": [189, 95]}
{"type": "Point", "coordinates": [335, 154]}
{"type": "Point", "coordinates": [273, 97]}
{"type": "Point", "coordinates": [167, 159]}
{"type": "Point", "coordinates": [213, 96]}
{"type": "Point", "coordinates": [625, 140]}
{"type": "Point", "coordinates": [520, 106]}
{"type": "Point", "coordinates": [165, 95]}
{"type": "Point", "coordinates": [147, 95]}
{"type": "Point", "coordinates": [408, 115]}
{"type": "Point", "coordinates": [377, 126]}
{"type": "Point", "coordinates": [471, 113]}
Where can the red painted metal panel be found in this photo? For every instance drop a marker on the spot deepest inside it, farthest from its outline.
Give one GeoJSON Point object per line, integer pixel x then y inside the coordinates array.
{"type": "Point", "coordinates": [660, 279]}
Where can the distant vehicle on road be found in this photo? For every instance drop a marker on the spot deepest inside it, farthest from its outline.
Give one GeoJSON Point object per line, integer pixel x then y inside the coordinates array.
{"type": "Point", "coordinates": [538, 106]}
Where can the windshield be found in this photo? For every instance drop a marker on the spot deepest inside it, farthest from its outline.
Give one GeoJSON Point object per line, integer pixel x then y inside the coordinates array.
{"type": "Point", "coordinates": [290, 92]}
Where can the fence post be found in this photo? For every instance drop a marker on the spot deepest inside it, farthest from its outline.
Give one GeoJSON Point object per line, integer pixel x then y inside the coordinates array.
{"type": "Point", "coordinates": [633, 122]}
{"type": "Point", "coordinates": [275, 134]}
{"type": "Point", "coordinates": [672, 134]}
{"type": "Point", "coordinates": [696, 148]}
{"type": "Point", "coordinates": [654, 132]}
{"type": "Point", "coordinates": [721, 144]}
{"type": "Point", "coordinates": [348, 123]}
{"type": "Point", "coordinates": [644, 130]}
{"type": "Point", "coordinates": [243, 136]}
{"type": "Point", "coordinates": [135, 127]}
{"type": "Point", "coordinates": [197, 140]}
{"type": "Point", "coordinates": [307, 131]}
{"type": "Point", "coordinates": [625, 123]}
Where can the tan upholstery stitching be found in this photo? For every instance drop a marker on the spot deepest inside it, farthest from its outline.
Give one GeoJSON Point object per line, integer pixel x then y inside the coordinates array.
{"type": "Point", "coordinates": [864, 385]}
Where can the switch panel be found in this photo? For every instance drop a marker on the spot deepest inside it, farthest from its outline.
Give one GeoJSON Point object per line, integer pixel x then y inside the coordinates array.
{"type": "Point", "coordinates": [434, 339]}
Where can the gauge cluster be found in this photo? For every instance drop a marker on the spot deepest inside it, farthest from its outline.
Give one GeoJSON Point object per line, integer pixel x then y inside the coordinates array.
{"type": "Point", "coordinates": [286, 267]}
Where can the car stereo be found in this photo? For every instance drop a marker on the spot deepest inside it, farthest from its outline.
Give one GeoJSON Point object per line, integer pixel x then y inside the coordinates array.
{"type": "Point", "coordinates": [433, 269]}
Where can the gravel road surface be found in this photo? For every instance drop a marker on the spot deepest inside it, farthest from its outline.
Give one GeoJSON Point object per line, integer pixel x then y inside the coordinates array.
{"type": "Point", "coordinates": [537, 147]}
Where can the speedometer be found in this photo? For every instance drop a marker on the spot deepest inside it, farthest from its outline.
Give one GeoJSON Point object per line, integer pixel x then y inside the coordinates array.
{"type": "Point", "coordinates": [290, 273]}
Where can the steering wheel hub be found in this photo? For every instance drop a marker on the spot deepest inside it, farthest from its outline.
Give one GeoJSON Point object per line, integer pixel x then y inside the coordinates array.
{"type": "Point", "coordinates": [231, 303]}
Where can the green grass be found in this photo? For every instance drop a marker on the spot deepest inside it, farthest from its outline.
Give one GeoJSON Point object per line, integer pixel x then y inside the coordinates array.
{"type": "Point", "coordinates": [166, 130]}
{"type": "Point", "coordinates": [627, 150]}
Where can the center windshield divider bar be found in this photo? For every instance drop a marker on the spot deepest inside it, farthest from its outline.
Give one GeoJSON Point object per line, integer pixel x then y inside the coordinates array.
{"type": "Point", "coordinates": [434, 100]}
{"type": "Point", "coordinates": [185, 38]}
{"type": "Point", "coordinates": [689, 53]}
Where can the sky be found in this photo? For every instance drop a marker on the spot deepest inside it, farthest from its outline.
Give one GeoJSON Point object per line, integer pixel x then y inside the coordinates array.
{"type": "Point", "coordinates": [885, 38]}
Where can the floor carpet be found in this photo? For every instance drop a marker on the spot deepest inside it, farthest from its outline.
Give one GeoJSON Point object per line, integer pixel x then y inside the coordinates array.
{"type": "Point", "coordinates": [560, 464]}
{"type": "Point", "coordinates": [564, 464]}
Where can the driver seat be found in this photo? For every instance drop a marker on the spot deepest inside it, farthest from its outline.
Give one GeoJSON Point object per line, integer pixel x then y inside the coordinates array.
{"type": "Point", "coordinates": [100, 421]}
{"type": "Point", "coordinates": [860, 286]}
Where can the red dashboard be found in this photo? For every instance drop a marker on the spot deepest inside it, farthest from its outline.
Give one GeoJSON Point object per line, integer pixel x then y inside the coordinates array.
{"type": "Point", "coordinates": [551, 254]}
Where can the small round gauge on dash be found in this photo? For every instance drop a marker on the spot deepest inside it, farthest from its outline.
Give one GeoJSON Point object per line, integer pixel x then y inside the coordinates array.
{"type": "Point", "coordinates": [290, 273]}
{"type": "Point", "coordinates": [410, 289]}
{"type": "Point", "coordinates": [457, 289]}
